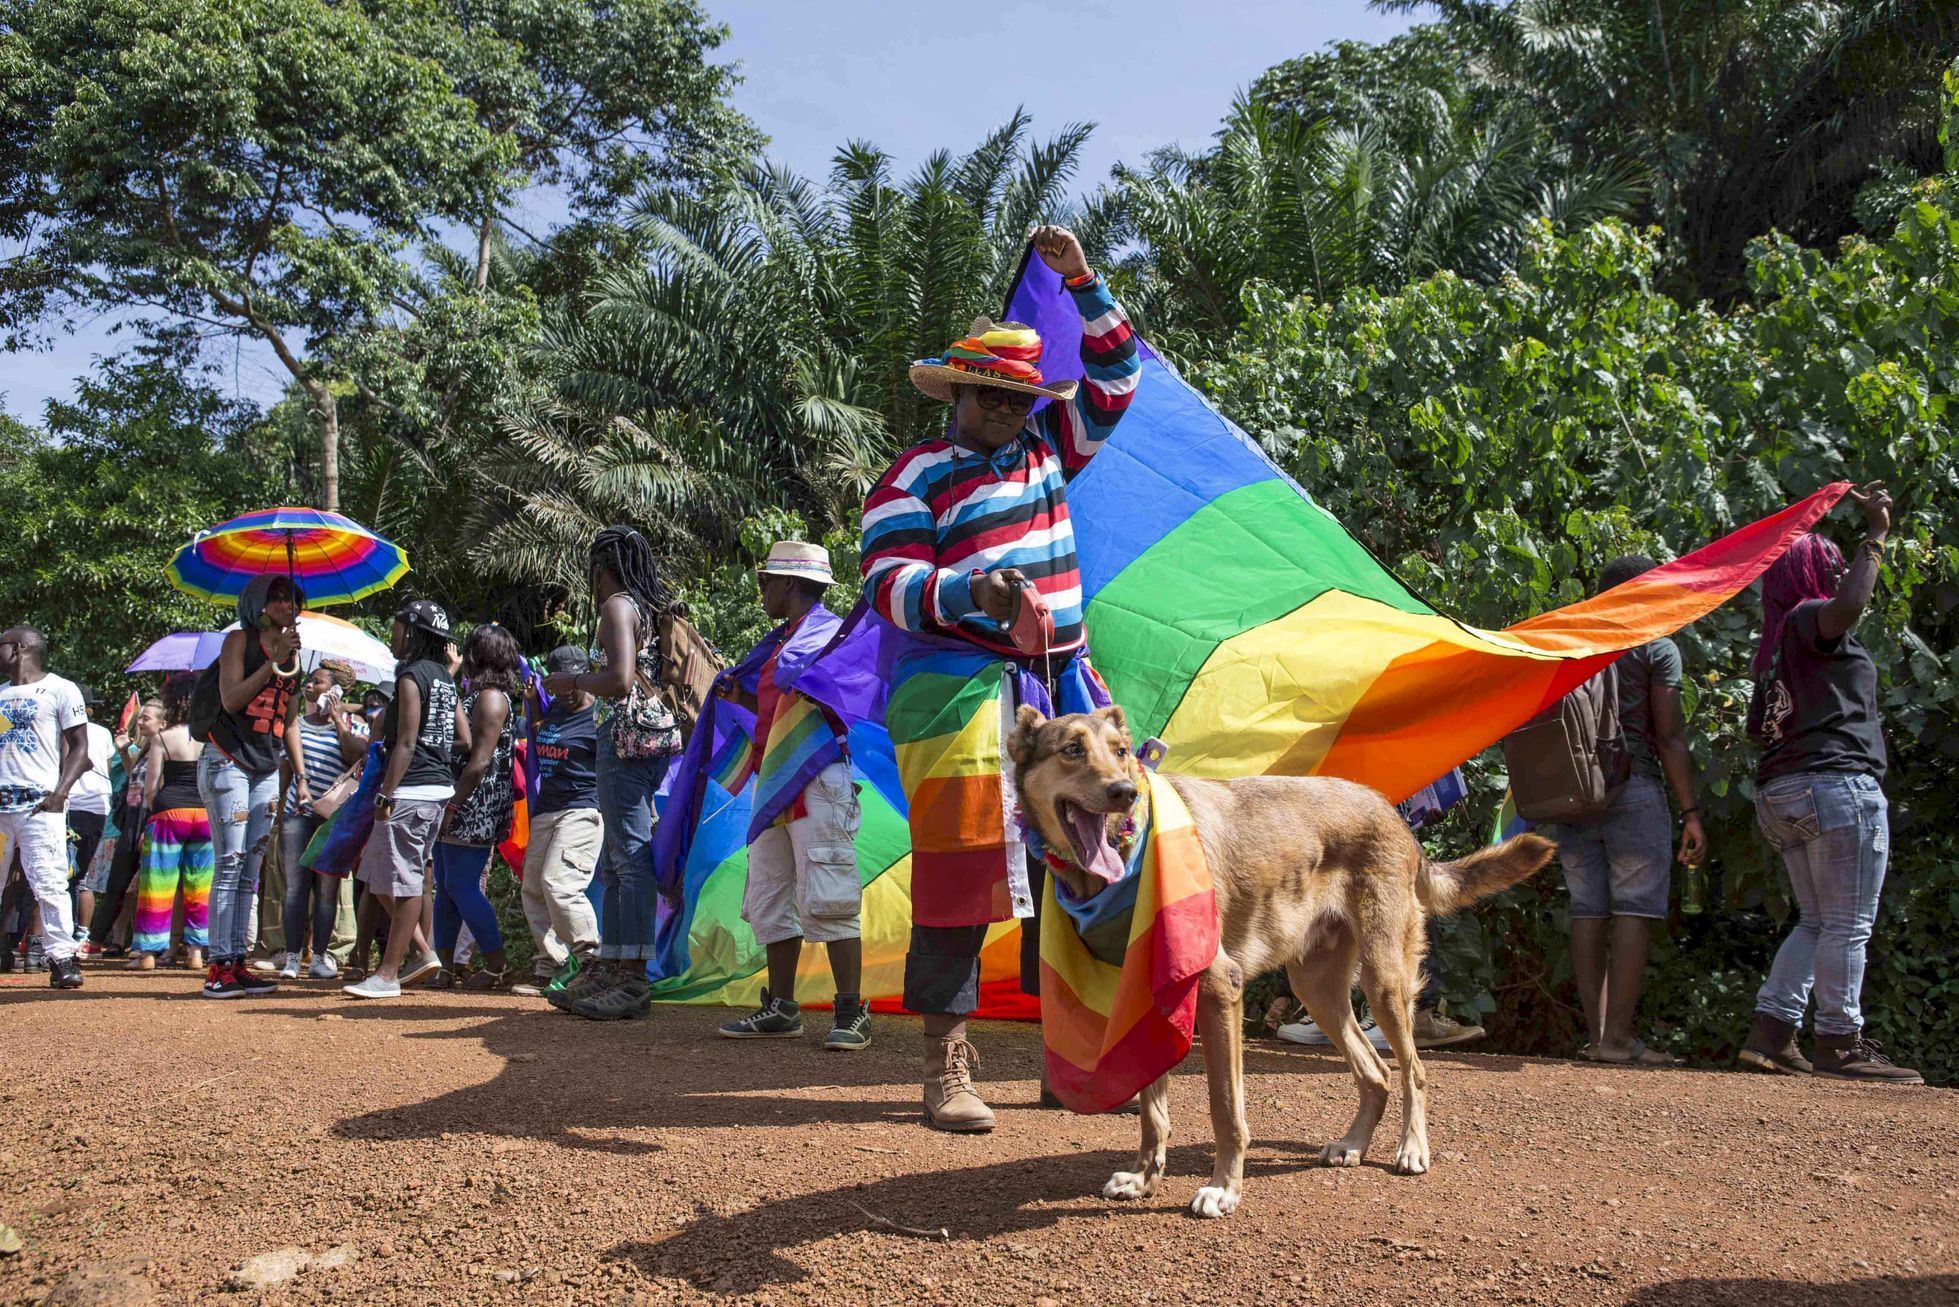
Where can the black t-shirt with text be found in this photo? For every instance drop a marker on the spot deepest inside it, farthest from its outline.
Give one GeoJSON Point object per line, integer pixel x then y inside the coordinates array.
{"type": "Point", "coordinates": [1820, 710]}
{"type": "Point", "coordinates": [436, 739]}
{"type": "Point", "coordinates": [255, 737]}
{"type": "Point", "coordinates": [567, 759]}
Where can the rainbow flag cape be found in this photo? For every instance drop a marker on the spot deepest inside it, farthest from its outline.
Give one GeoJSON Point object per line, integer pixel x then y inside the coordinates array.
{"type": "Point", "coordinates": [1235, 619]}
{"type": "Point", "coordinates": [1119, 972]}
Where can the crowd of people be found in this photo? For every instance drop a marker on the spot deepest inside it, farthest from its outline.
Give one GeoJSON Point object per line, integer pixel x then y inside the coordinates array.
{"type": "Point", "coordinates": [385, 805]}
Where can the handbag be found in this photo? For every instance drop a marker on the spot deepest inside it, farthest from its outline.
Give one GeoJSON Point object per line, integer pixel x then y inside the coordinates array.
{"type": "Point", "coordinates": [328, 801]}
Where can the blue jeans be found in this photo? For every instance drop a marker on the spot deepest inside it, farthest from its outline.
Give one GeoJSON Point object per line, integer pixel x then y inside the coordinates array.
{"type": "Point", "coordinates": [308, 894]}
{"type": "Point", "coordinates": [1622, 864]}
{"type": "Point", "coordinates": [626, 787]}
{"type": "Point", "coordinates": [459, 897]}
{"type": "Point", "coordinates": [240, 805]}
{"type": "Point", "coordinates": [1833, 831]}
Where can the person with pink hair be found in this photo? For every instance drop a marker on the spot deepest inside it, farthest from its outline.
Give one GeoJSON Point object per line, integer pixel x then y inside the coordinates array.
{"type": "Point", "coordinates": [1819, 798]}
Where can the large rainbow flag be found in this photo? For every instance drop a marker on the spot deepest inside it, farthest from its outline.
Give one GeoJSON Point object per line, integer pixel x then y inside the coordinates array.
{"type": "Point", "coordinates": [1234, 618]}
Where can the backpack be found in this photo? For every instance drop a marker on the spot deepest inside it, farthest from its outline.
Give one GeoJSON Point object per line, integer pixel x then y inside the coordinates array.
{"type": "Point", "coordinates": [1568, 763]}
{"type": "Point", "coordinates": [688, 666]}
{"type": "Point", "coordinates": [206, 705]}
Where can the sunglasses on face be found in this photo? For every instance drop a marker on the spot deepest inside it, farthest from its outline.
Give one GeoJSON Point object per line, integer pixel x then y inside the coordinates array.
{"type": "Point", "coordinates": [993, 398]}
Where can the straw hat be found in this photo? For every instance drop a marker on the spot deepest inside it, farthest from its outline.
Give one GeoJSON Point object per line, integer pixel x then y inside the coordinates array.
{"type": "Point", "coordinates": [1003, 354]}
{"type": "Point", "coordinates": [797, 558]}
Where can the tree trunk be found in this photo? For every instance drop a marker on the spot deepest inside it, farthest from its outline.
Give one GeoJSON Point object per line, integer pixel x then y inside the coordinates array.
{"type": "Point", "coordinates": [329, 418]}
{"type": "Point", "coordinates": [483, 231]}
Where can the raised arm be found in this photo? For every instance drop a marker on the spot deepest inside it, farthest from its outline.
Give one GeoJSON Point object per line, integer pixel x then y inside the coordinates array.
{"type": "Point", "coordinates": [1859, 582]}
{"type": "Point", "coordinates": [1110, 364]}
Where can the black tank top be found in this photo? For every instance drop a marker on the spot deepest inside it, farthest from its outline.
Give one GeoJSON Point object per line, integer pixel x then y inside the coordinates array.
{"type": "Point", "coordinates": [255, 738]}
{"type": "Point", "coordinates": [179, 788]}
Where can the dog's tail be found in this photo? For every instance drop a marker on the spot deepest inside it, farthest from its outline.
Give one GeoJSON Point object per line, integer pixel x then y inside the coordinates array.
{"type": "Point", "coordinates": [1445, 887]}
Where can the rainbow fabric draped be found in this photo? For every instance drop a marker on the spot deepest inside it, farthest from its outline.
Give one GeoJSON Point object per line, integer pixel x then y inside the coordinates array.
{"type": "Point", "coordinates": [1232, 617]}
{"type": "Point", "coordinates": [1119, 973]}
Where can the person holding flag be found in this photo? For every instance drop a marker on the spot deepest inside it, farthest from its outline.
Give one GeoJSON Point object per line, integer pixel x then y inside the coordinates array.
{"type": "Point", "coordinates": [802, 857]}
{"type": "Point", "coordinates": [969, 551]}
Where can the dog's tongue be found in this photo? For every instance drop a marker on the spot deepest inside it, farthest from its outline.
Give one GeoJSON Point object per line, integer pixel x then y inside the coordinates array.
{"type": "Point", "coordinates": [1091, 831]}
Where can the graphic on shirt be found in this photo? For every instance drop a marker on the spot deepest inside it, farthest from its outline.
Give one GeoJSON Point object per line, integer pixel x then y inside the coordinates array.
{"type": "Point", "coordinates": [438, 730]}
{"type": "Point", "coordinates": [1781, 707]}
{"type": "Point", "coordinates": [18, 718]}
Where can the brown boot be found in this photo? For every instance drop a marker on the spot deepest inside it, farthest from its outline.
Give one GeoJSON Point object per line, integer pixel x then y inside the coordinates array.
{"type": "Point", "coordinates": [951, 1102]}
{"type": "Point", "coordinates": [1852, 1057]}
{"type": "Point", "coordinates": [1772, 1047]}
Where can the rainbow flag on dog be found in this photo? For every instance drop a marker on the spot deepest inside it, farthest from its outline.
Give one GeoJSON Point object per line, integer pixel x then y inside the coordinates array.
{"type": "Point", "coordinates": [1237, 620]}
{"type": "Point", "coordinates": [1119, 973]}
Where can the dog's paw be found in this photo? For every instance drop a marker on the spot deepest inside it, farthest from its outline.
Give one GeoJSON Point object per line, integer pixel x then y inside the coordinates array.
{"type": "Point", "coordinates": [1342, 1153]}
{"type": "Point", "coordinates": [1129, 1184]}
{"type": "Point", "coordinates": [1213, 1201]}
{"type": "Point", "coordinates": [1412, 1157]}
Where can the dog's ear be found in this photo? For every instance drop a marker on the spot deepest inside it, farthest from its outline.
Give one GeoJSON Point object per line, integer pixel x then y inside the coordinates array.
{"type": "Point", "coordinates": [1027, 723]}
{"type": "Point", "coordinates": [1114, 716]}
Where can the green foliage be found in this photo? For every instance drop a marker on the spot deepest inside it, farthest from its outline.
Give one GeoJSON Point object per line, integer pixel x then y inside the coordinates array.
{"type": "Point", "coordinates": [99, 502]}
{"type": "Point", "coordinates": [1497, 444]}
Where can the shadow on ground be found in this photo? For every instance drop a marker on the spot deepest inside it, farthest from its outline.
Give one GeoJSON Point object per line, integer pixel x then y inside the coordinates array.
{"type": "Point", "coordinates": [1885, 1291]}
{"type": "Point", "coordinates": [746, 1251]}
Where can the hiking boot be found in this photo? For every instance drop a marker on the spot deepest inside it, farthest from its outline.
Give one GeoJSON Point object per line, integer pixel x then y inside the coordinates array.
{"type": "Point", "coordinates": [591, 976]}
{"type": "Point", "coordinates": [777, 1018]}
{"type": "Point", "coordinates": [65, 973]}
{"type": "Point", "coordinates": [1852, 1057]}
{"type": "Point", "coordinates": [1771, 1047]}
{"type": "Point", "coordinates": [1433, 1030]}
{"type": "Point", "coordinates": [951, 1102]}
{"type": "Point", "coordinates": [628, 995]}
{"type": "Point", "coordinates": [850, 1026]}
{"type": "Point", "coordinates": [561, 980]}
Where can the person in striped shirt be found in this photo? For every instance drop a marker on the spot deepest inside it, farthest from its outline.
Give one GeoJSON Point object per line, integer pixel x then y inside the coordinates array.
{"type": "Point", "coordinates": [959, 534]}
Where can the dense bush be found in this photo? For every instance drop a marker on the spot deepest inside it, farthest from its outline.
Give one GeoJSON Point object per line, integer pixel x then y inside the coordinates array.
{"type": "Point", "coordinates": [1497, 444]}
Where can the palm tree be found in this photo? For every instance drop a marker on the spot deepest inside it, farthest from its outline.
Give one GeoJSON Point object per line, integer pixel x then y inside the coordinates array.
{"type": "Point", "coordinates": [1746, 114]}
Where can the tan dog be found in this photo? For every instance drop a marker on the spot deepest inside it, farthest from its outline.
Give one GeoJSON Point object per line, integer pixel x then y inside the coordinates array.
{"type": "Point", "coordinates": [1318, 876]}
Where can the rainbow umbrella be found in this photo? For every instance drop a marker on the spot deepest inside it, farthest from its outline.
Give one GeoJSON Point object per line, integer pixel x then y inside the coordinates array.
{"type": "Point", "coordinates": [334, 559]}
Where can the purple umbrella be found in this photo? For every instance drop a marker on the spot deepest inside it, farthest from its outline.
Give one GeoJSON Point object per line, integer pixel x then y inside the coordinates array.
{"type": "Point", "coordinates": [182, 652]}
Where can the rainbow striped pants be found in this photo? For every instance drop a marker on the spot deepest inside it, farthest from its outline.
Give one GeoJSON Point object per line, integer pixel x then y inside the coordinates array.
{"type": "Point", "coordinates": [176, 852]}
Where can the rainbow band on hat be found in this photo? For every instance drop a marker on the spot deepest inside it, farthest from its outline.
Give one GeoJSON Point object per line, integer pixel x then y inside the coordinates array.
{"type": "Point", "coordinates": [1009, 352]}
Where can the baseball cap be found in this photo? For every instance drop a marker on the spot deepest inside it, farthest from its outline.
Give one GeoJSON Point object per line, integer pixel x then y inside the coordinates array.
{"type": "Point", "coordinates": [425, 615]}
{"type": "Point", "coordinates": [567, 658]}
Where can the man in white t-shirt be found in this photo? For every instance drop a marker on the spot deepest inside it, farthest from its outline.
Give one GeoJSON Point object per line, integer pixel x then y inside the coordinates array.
{"type": "Point", "coordinates": [88, 812]}
{"type": "Point", "coordinates": [43, 753]}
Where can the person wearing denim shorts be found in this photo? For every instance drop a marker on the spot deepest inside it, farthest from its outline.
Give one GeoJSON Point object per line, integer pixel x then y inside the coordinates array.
{"type": "Point", "coordinates": [1619, 868]}
{"type": "Point", "coordinates": [1819, 799]}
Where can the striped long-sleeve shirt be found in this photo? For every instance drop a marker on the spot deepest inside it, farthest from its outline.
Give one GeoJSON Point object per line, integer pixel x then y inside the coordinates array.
{"type": "Point", "coordinates": [942, 512]}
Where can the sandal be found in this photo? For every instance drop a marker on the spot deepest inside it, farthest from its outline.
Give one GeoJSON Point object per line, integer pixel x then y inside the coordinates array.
{"type": "Point", "coordinates": [442, 979]}
{"type": "Point", "coordinates": [487, 981]}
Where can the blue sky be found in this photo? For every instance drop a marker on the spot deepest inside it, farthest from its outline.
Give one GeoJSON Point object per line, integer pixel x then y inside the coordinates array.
{"type": "Point", "coordinates": [913, 78]}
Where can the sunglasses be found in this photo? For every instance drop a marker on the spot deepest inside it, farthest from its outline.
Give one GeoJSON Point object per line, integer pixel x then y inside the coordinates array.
{"type": "Point", "coordinates": [993, 398]}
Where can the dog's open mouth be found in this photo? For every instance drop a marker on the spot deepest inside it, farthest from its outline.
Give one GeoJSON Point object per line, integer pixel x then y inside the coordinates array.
{"type": "Point", "coordinates": [1088, 835]}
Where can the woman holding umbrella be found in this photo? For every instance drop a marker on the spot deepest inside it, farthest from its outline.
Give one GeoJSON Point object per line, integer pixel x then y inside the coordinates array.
{"type": "Point", "coordinates": [238, 775]}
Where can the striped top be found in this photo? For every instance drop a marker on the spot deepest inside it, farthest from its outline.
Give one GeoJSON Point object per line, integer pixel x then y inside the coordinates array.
{"type": "Point", "coordinates": [941, 513]}
{"type": "Point", "coordinates": [319, 749]}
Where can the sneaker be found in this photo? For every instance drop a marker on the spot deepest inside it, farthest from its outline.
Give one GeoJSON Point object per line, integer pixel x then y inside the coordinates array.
{"type": "Point", "coordinates": [254, 985]}
{"type": "Point", "coordinates": [627, 996]}
{"type": "Point", "coordinates": [268, 965]}
{"type": "Point", "coordinates": [412, 972]}
{"type": "Point", "coordinates": [65, 974]}
{"type": "Point", "coordinates": [850, 1028]}
{"type": "Point", "coordinates": [1852, 1057]}
{"type": "Point", "coordinates": [532, 988]}
{"type": "Point", "coordinates": [1433, 1030]}
{"type": "Point", "coordinates": [1310, 1034]}
{"type": "Point", "coordinates": [324, 968]}
{"type": "Point", "coordinates": [374, 987]}
{"type": "Point", "coordinates": [289, 969]}
{"type": "Point", "coordinates": [221, 981]}
{"type": "Point", "coordinates": [90, 949]}
{"type": "Point", "coordinates": [36, 959]}
{"type": "Point", "coordinates": [777, 1018]}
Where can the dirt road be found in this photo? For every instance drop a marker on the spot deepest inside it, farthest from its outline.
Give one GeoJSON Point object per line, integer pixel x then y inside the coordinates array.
{"type": "Point", "coordinates": [479, 1149]}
